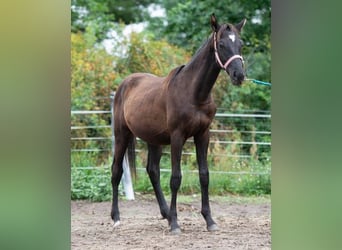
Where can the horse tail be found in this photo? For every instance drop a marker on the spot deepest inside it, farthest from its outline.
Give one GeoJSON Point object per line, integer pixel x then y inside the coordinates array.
{"type": "Point", "coordinates": [131, 157]}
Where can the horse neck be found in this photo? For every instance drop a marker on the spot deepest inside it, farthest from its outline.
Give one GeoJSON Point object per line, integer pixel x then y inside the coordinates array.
{"type": "Point", "coordinates": [203, 72]}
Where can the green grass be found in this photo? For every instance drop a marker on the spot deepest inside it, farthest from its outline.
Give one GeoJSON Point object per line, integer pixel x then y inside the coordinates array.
{"type": "Point", "coordinates": [94, 183]}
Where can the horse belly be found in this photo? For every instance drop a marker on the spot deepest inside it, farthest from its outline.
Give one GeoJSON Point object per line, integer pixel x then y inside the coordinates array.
{"type": "Point", "coordinates": [154, 139]}
{"type": "Point", "coordinates": [151, 133]}
{"type": "Point", "coordinates": [147, 120]}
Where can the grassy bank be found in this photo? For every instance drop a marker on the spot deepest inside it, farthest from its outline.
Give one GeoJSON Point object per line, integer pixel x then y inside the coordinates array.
{"type": "Point", "coordinates": [243, 177]}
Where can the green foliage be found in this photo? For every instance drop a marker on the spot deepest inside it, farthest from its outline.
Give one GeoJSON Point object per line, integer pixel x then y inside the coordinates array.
{"type": "Point", "coordinates": [147, 55]}
{"type": "Point", "coordinates": [188, 21]}
{"type": "Point", "coordinates": [92, 73]}
{"type": "Point", "coordinates": [103, 14]}
{"type": "Point", "coordinates": [87, 182]}
{"type": "Point", "coordinates": [95, 13]}
{"type": "Point", "coordinates": [91, 184]}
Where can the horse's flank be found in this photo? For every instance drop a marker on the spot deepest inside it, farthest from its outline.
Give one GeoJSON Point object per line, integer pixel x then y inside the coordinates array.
{"type": "Point", "coordinates": [140, 93]}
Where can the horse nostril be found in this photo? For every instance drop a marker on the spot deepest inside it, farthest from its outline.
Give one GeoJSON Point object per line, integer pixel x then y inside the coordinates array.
{"type": "Point", "coordinates": [241, 77]}
{"type": "Point", "coordinates": [238, 75]}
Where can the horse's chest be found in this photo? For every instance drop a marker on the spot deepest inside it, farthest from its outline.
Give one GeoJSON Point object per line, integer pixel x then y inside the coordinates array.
{"type": "Point", "coordinates": [196, 122]}
{"type": "Point", "coordinates": [203, 119]}
{"type": "Point", "coordinates": [189, 119]}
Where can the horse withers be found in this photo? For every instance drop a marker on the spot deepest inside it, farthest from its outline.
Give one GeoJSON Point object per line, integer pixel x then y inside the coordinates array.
{"type": "Point", "coordinates": [169, 110]}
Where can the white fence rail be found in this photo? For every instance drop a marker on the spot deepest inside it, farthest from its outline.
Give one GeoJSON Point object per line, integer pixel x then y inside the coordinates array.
{"type": "Point", "coordinates": [218, 115]}
{"type": "Point", "coordinates": [213, 141]}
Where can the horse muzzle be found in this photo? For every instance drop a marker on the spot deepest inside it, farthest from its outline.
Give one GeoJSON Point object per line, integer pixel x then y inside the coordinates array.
{"type": "Point", "coordinates": [237, 77]}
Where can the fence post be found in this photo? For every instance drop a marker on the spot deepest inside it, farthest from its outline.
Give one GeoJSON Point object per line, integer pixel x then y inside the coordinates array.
{"type": "Point", "coordinates": [126, 179]}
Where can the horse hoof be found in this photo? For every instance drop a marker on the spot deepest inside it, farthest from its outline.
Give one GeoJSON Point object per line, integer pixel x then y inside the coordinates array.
{"type": "Point", "coordinates": [213, 227]}
{"type": "Point", "coordinates": [116, 224]}
{"type": "Point", "coordinates": [176, 231]}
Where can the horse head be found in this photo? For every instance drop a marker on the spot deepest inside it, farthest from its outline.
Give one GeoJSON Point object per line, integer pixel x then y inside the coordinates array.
{"type": "Point", "coordinates": [227, 46]}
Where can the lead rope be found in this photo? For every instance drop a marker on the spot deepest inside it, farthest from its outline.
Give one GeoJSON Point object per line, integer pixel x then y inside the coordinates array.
{"type": "Point", "coordinates": [259, 82]}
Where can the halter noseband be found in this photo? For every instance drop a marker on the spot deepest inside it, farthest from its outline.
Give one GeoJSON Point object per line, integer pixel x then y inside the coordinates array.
{"type": "Point", "coordinates": [224, 66]}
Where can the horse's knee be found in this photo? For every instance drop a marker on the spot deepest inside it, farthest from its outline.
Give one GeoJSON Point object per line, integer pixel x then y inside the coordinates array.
{"type": "Point", "coordinates": [175, 181]}
{"type": "Point", "coordinates": [152, 172]}
{"type": "Point", "coordinates": [116, 175]}
{"type": "Point", "coordinates": [204, 177]}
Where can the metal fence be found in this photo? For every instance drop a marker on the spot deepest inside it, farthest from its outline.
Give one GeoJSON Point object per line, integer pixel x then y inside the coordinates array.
{"type": "Point", "coordinates": [250, 137]}
{"type": "Point", "coordinates": [219, 136]}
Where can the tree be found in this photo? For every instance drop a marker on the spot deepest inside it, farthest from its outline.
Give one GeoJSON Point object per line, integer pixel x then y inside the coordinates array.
{"type": "Point", "coordinates": [104, 14]}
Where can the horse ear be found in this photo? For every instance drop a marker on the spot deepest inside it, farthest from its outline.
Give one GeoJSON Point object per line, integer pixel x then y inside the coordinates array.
{"type": "Point", "coordinates": [213, 22]}
{"type": "Point", "coordinates": [240, 25]}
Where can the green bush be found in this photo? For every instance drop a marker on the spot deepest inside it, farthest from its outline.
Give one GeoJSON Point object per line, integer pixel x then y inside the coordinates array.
{"type": "Point", "coordinates": [92, 184]}
{"type": "Point", "coordinates": [89, 182]}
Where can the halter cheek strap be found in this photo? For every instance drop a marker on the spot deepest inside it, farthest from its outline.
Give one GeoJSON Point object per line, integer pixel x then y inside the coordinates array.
{"type": "Point", "coordinates": [224, 66]}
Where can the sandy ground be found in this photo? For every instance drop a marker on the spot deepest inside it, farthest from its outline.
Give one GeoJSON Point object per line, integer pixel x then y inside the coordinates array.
{"type": "Point", "coordinates": [243, 223]}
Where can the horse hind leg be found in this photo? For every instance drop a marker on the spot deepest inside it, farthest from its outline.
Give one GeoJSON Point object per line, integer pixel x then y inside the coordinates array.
{"type": "Point", "coordinates": [177, 142]}
{"type": "Point", "coordinates": [153, 170]}
{"type": "Point", "coordinates": [121, 144]}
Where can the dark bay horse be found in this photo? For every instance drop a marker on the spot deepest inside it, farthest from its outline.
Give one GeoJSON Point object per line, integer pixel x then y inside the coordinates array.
{"type": "Point", "coordinates": [169, 110]}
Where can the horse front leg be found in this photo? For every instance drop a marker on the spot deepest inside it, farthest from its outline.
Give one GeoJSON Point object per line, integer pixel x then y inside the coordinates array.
{"type": "Point", "coordinates": [202, 142]}
{"type": "Point", "coordinates": [177, 143]}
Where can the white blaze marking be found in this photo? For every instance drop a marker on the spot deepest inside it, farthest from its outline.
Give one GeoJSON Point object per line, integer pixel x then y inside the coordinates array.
{"type": "Point", "coordinates": [232, 37]}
